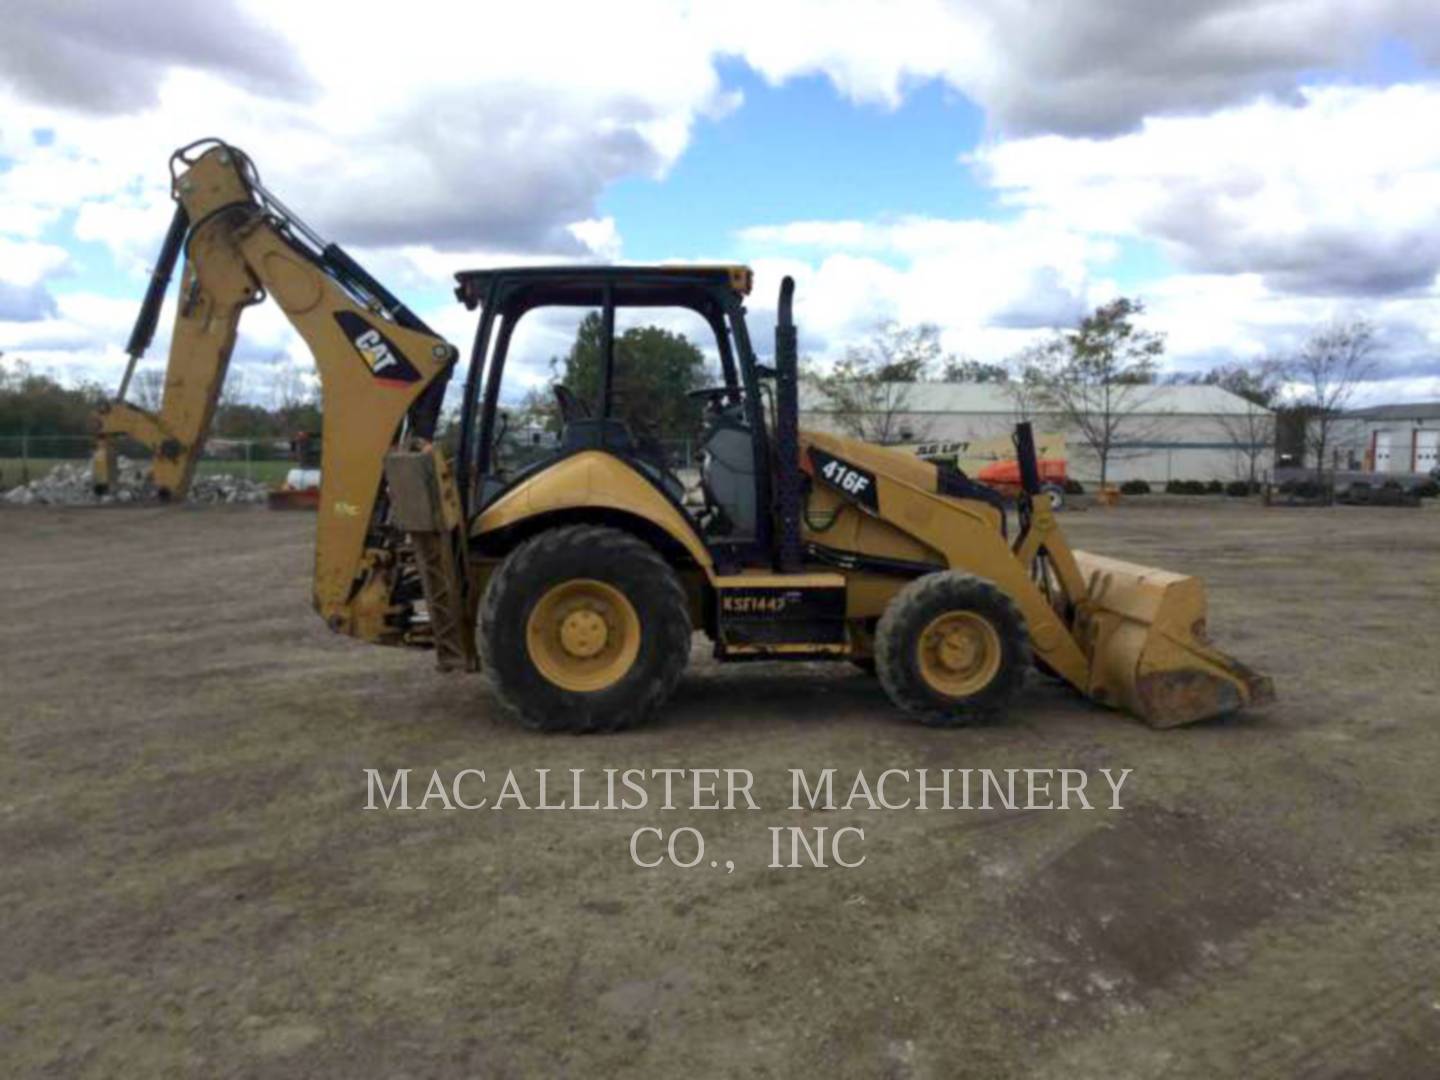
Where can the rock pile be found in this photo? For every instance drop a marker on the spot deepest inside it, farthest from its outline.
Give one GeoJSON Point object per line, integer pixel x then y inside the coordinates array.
{"type": "Point", "coordinates": [73, 484]}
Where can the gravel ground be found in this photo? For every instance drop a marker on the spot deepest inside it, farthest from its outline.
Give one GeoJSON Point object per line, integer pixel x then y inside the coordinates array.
{"type": "Point", "coordinates": [192, 886]}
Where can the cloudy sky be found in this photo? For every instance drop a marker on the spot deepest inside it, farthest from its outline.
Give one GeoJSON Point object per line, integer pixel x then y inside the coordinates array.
{"type": "Point", "coordinates": [1249, 168]}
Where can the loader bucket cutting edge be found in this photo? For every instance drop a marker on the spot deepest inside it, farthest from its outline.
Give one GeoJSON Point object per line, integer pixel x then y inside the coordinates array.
{"type": "Point", "coordinates": [1148, 651]}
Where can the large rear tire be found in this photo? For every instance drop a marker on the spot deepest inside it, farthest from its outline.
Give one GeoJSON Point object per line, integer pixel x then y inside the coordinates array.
{"type": "Point", "coordinates": [952, 649]}
{"type": "Point", "coordinates": [584, 628]}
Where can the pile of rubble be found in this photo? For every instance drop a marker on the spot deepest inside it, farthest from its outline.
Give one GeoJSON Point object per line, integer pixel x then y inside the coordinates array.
{"type": "Point", "coordinates": [73, 484]}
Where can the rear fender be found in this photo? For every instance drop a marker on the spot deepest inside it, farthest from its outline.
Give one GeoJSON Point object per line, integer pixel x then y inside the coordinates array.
{"type": "Point", "coordinates": [591, 485]}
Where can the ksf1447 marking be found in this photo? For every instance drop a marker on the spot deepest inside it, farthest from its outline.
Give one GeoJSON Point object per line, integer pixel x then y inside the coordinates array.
{"type": "Point", "coordinates": [852, 480]}
{"type": "Point", "coordinates": [752, 604]}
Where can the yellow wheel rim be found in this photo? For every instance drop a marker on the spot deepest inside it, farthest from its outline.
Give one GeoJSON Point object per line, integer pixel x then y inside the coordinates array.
{"type": "Point", "coordinates": [959, 653]}
{"type": "Point", "coordinates": [583, 635]}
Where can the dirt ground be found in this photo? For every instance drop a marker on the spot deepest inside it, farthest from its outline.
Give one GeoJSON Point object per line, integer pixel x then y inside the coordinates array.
{"type": "Point", "coordinates": [190, 883]}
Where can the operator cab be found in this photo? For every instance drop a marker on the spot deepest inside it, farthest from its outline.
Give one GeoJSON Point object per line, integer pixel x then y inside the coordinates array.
{"type": "Point", "coordinates": [723, 496]}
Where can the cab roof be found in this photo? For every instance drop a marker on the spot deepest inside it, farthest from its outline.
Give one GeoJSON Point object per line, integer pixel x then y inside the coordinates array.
{"type": "Point", "coordinates": [585, 285]}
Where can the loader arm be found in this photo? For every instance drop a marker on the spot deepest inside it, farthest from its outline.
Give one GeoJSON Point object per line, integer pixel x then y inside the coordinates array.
{"type": "Point", "coordinates": [1129, 636]}
{"type": "Point", "coordinates": [382, 375]}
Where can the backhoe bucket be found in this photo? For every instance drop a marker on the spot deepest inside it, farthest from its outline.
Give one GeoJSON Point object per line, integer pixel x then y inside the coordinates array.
{"type": "Point", "coordinates": [1148, 651]}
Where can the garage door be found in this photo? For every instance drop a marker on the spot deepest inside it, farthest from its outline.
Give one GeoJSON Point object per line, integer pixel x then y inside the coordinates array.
{"type": "Point", "coordinates": [1383, 441]}
{"type": "Point", "coordinates": [1427, 450]}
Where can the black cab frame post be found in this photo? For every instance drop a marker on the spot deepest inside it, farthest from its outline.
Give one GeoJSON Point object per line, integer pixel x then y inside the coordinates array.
{"type": "Point", "coordinates": [473, 458]}
{"type": "Point", "coordinates": [607, 351]}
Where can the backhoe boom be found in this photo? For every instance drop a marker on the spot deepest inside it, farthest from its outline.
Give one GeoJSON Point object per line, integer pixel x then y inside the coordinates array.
{"type": "Point", "coordinates": [382, 375]}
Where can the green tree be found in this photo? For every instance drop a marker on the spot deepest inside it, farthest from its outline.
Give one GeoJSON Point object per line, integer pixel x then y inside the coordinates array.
{"type": "Point", "coordinates": [35, 404]}
{"type": "Point", "coordinates": [969, 370]}
{"type": "Point", "coordinates": [1095, 378]}
{"type": "Point", "coordinates": [654, 371]}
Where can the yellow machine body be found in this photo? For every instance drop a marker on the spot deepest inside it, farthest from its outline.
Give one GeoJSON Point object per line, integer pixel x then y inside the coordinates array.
{"type": "Point", "coordinates": [1128, 636]}
{"type": "Point", "coordinates": [391, 518]}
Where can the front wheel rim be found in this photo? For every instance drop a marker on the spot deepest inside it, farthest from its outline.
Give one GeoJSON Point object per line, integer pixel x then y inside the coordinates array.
{"type": "Point", "coordinates": [959, 653]}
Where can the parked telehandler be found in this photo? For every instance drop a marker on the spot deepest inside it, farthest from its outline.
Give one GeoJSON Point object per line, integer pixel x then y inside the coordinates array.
{"type": "Point", "coordinates": [575, 581]}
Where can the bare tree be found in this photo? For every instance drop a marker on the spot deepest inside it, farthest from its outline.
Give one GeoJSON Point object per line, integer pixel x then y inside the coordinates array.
{"type": "Point", "coordinates": [1329, 366]}
{"type": "Point", "coordinates": [870, 390]}
{"type": "Point", "coordinates": [1025, 380]}
{"type": "Point", "coordinates": [1251, 431]}
{"type": "Point", "coordinates": [1098, 379]}
{"type": "Point", "coordinates": [232, 390]}
{"type": "Point", "coordinates": [147, 389]}
{"type": "Point", "coordinates": [288, 387]}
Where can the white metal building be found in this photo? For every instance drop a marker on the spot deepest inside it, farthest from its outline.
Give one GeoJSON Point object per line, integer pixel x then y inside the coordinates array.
{"type": "Point", "coordinates": [1388, 439]}
{"type": "Point", "coordinates": [1174, 432]}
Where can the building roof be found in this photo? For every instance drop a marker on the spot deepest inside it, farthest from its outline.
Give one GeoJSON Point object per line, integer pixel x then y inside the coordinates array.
{"type": "Point", "coordinates": [953, 398]}
{"type": "Point", "coordinates": [1415, 410]}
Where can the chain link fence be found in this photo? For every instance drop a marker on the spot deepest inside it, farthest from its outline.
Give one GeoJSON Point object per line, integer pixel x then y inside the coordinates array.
{"type": "Point", "coordinates": [24, 458]}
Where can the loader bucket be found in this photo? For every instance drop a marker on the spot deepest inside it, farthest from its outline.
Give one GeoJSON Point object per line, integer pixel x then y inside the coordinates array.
{"type": "Point", "coordinates": [1148, 651]}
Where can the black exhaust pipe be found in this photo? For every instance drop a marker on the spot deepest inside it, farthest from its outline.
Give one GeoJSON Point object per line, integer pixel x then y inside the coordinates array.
{"type": "Point", "coordinates": [1025, 455]}
{"type": "Point", "coordinates": [788, 495]}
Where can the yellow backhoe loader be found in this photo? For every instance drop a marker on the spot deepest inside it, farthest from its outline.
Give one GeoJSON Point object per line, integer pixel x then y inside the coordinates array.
{"type": "Point", "coordinates": [575, 579]}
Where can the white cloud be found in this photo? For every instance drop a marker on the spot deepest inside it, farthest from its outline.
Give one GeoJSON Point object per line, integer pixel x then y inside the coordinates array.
{"type": "Point", "coordinates": [470, 135]}
{"type": "Point", "coordinates": [1339, 195]}
{"type": "Point", "coordinates": [24, 267]}
{"type": "Point", "coordinates": [1088, 67]}
{"type": "Point", "coordinates": [990, 286]}
{"type": "Point", "coordinates": [25, 263]}
{"type": "Point", "coordinates": [109, 56]}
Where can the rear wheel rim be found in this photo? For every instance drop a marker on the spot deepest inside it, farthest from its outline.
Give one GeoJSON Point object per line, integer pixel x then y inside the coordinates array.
{"type": "Point", "coordinates": [959, 653]}
{"type": "Point", "coordinates": [583, 635]}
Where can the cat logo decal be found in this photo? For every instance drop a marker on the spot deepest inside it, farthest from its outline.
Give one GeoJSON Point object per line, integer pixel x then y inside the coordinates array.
{"type": "Point", "coordinates": [386, 362]}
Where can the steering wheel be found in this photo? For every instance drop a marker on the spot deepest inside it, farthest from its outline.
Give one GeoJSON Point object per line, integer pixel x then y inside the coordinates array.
{"type": "Point", "coordinates": [713, 396]}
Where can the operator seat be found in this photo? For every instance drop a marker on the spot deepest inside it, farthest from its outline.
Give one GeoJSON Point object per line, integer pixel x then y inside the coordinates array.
{"type": "Point", "coordinates": [727, 473]}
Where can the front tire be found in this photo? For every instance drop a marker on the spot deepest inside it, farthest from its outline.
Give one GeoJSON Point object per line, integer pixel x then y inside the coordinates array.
{"type": "Point", "coordinates": [584, 628]}
{"type": "Point", "coordinates": [952, 649]}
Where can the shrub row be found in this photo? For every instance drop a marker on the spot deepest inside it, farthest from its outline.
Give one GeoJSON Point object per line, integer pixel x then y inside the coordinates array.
{"type": "Point", "coordinates": [1194, 487]}
{"type": "Point", "coordinates": [1305, 489]}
